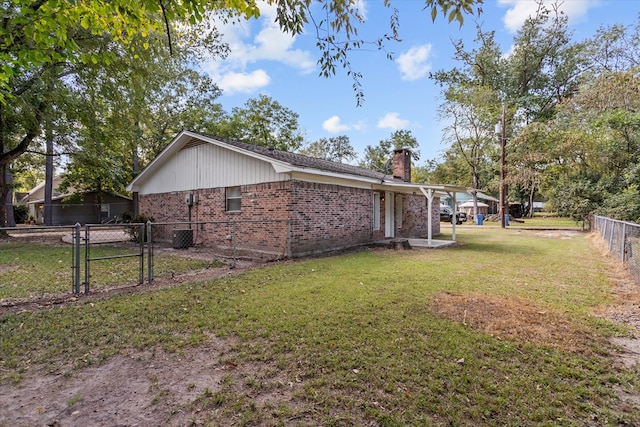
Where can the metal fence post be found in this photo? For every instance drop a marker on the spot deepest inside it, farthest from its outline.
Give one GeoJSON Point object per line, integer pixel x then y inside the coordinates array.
{"type": "Point", "coordinates": [76, 258]}
{"type": "Point", "coordinates": [86, 259]}
{"type": "Point", "coordinates": [141, 263]}
{"type": "Point", "coordinates": [624, 242]}
{"type": "Point", "coordinates": [149, 252]}
{"type": "Point", "coordinates": [233, 243]}
{"type": "Point", "coordinates": [613, 229]}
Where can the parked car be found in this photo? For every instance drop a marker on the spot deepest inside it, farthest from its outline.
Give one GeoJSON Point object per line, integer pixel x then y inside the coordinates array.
{"type": "Point", "coordinates": [446, 215]}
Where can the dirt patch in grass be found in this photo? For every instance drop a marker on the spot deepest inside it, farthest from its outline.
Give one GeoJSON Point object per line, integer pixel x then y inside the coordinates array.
{"type": "Point", "coordinates": [513, 319]}
{"type": "Point", "coordinates": [7, 268]}
{"type": "Point", "coordinates": [150, 388]}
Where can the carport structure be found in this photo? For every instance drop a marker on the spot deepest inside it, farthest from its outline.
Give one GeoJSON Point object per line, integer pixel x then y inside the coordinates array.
{"type": "Point", "coordinates": [431, 191]}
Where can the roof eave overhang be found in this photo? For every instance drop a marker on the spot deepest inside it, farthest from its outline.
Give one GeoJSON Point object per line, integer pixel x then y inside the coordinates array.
{"type": "Point", "coordinates": [285, 168]}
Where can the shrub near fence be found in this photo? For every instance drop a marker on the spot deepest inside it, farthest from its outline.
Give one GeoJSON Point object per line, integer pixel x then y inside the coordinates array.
{"type": "Point", "coordinates": [623, 239]}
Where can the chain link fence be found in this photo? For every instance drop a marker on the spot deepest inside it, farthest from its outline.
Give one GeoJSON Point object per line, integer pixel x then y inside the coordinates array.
{"type": "Point", "coordinates": [41, 262]}
{"type": "Point", "coordinates": [113, 255]}
{"type": "Point", "coordinates": [38, 261]}
{"type": "Point", "coordinates": [623, 239]}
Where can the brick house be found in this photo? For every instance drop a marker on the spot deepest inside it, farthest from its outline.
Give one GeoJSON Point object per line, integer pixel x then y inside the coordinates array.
{"type": "Point", "coordinates": [280, 202]}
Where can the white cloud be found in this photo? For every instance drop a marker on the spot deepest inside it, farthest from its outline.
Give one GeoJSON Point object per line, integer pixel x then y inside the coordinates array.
{"type": "Point", "coordinates": [333, 125]}
{"type": "Point", "coordinates": [268, 44]}
{"type": "Point", "coordinates": [393, 122]}
{"type": "Point", "coordinates": [520, 10]}
{"type": "Point", "coordinates": [244, 82]}
{"type": "Point", "coordinates": [360, 125]}
{"type": "Point", "coordinates": [361, 5]}
{"type": "Point", "coordinates": [414, 63]}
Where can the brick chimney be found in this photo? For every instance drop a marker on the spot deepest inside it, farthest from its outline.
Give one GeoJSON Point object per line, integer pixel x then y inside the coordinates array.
{"type": "Point", "coordinates": [402, 164]}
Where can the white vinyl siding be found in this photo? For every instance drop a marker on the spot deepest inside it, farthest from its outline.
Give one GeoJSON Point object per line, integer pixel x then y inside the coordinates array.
{"type": "Point", "coordinates": [209, 166]}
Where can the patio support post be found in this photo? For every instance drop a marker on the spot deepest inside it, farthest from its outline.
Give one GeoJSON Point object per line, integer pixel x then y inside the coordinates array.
{"type": "Point", "coordinates": [428, 193]}
{"type": "Point", "coordinates": [455, 217]}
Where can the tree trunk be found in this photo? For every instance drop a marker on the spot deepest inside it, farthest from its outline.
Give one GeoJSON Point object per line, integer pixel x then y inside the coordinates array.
{"type": "Point", "coordinates": [3, 196]}
{"type": "Point", "coordinates": [48, 181]}
{"type": "Point", "coordinates": [531, 194]}
{"type": "Point", "coordinates": [476, 186]}
{"type": "Point", "coordinates": [11, 220]}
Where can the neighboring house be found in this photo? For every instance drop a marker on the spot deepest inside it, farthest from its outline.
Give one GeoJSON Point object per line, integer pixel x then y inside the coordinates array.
{"type": "Point", "coordinates": [314, 205]}
{"type": "Point", "coordinates": [487, 204]}
{"type": "Point", "coordinates": [467, 207]}
{"type": "Point", "coordinates": [37, 194]}
{"type": "Point", "coordinates": [89, 210]}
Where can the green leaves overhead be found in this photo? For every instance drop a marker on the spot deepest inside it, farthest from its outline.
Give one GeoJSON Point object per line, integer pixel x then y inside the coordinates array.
{"type": "Point", "coordinates": [264, 121]}
{"type": "Point", "coordinates": [45, 32]}
{"type": "Point", "coordinates": [454, 10]}
{"type": "Point", "coordinates": [335, 148]}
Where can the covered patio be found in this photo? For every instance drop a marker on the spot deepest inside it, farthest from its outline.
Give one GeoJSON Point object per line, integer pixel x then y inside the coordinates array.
{"type": "Point", "coordinates": [430, 191]}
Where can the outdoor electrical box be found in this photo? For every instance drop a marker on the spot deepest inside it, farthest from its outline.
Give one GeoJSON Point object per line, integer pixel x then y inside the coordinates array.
{"type": "Point", "coordinates": [189, 199]}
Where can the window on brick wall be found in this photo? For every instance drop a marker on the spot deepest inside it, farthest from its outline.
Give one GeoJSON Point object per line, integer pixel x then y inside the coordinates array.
{"type": "Point", "coordinates": [376, 211]}
{"type": "Point", "coordinates": [234, 198]}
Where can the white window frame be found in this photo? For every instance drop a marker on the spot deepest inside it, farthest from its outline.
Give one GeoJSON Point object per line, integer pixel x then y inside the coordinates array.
{"type": "Point", "coordinates": [233, 196]}
{"type": "Point", "coordinates": [376, 211]}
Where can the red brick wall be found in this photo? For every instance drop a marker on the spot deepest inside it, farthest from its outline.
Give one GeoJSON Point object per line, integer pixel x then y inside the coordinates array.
{"type": "Point", "coordinates": [322, 217]}
{"type": "Point", "coordinates": [415, 214]}
{"type": "Point", "coordinates": [331, 216]}
{"type": "Point", "coordinates": [260, 225]}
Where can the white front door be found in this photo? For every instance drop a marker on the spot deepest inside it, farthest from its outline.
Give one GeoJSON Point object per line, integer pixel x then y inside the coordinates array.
{"type": "Point", "coordinates": [389, 215]}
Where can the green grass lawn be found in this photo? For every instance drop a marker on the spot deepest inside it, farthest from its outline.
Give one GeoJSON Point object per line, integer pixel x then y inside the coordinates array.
{"type": "Point", "coordinates": [546, 221]}
{"type": "Point", "coordinates": [538, 221]}
{"type": "Point", "coordinates": [373, 338]}
{"type": "Point", "coordinates": [29, 270]}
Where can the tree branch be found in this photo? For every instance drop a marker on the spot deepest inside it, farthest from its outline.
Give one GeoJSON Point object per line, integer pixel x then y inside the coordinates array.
{"type": "Point", "coordinates": [166, 24]}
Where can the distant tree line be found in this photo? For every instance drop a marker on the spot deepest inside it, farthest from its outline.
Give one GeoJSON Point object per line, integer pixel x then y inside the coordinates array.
{"type": "Point", "coordinates": [572, 117]}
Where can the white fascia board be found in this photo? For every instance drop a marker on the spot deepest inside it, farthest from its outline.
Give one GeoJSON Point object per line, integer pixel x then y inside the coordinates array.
{"type": "Point", "coordinates": [410, 187]}
{"type": "Point", "coordinates": [310, 172]}
{"type": "Point", "coordinates": [331, 180]}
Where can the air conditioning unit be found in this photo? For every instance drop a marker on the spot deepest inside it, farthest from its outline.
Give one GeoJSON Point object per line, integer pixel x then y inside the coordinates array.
{"type": "Point", "coordinates": [182, 238]}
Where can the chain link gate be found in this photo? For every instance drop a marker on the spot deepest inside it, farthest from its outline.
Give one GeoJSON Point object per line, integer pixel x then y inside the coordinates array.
{"type": "Point", "coordinates": [110, 243]}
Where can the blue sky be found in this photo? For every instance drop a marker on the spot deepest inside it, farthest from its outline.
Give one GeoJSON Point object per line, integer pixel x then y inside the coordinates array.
{"type": "Point", "coordinates": [398, 94]}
